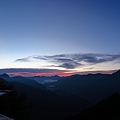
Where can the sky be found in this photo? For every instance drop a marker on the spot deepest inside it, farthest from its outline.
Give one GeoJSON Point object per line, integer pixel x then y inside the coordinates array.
{"type": "Point", "coordinates": [63, 37]}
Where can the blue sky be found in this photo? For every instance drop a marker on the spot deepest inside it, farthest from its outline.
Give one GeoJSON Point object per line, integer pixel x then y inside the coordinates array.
{"type": "Point", "coordinates": [53, 27]}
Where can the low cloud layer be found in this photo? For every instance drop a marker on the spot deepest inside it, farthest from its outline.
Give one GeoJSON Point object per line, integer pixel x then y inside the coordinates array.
{"type": "Point", "coordinates": [33, 72]}
{"type": "Point", "coordinates": [46, 72]}
{"type": "Point", "coordinates": [71, 61]}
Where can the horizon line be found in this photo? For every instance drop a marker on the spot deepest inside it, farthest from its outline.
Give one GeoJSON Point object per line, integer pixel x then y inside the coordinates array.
{"type": "Point", "coordinates": [30, 72]}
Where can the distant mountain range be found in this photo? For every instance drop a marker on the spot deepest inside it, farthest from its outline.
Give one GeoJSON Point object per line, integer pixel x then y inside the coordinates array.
{"type": "Point", "coordinates": [50, 106]}
{"type": "Point", "coordinates": [92, 87]}
{"type": "Point", "coordinates": [44, 79]}
{"type": "Point", "coordinates": [69, 96]}
{"type": "Point", "coordinates": [24, 80]}
{"type": "Point", "coordinates": [46, 105]}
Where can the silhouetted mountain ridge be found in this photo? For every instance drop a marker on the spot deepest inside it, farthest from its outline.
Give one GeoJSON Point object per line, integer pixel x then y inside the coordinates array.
{"type": "Point", "coordinates": [4, 85]}
{"type": "Point", "coordinates": [50, 106]}
{"type": "Point", "coordinates": [107, 109]}
{"type": "Point", "coordinates": [4, 75]}
{"type": "Point", "coordinates": [117, 73]}
{"type": "Point", "coordinates": [74, 91]}
{"type": "Point", "coordinates": [93, 87]}
{"type": "Point", "coordinates": [24, 80]}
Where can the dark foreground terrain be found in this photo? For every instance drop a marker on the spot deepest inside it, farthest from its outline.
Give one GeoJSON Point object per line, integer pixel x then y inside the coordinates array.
{"type": "Point", "coordinates": [78, 97]}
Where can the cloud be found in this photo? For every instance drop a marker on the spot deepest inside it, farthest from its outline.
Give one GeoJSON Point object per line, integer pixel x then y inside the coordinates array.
{"type": "Point", "coordinates": [70, 65]}
{"type": "Point", "coordinates": [96, 58]}
{"type": "Point", "coordinates": [67, 63]}
{"type": "Point", "coordinates": [32, 72]}
{"type": "Point", "coordinates": [29, 70]}
{"type": "Point", "coordinates": [40, 57]}
{"type": "Point", "coordinates": [23, 60]}
{"type": "Point", "coordinates": [71, 61]}
{"type": "Point", "coordinates": [46, 72]}
{"type": "Point", "coordinates": [63, 60]}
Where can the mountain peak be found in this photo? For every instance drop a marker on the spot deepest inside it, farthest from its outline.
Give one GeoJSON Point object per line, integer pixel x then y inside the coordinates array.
{"type": "Point", "coordinates": [4, 75]}
{"type": "Point", "coordinates": [117, 72]}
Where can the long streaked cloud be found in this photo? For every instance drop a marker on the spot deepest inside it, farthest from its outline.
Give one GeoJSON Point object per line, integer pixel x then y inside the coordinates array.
{"type": "Point", "coordinates": [26, 59]}
{"type": "Point", "coordinates": [46, 72]}
{"type": "Point", "coordinates": [71, 61]}
{"type": "Point", "coordinates": [30, 69]}
{"type": "Point", "coordinates": [33, 72]}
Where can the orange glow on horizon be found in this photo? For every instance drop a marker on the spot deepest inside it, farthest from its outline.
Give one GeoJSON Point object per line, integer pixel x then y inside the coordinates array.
{"type": "Point", "coordinates": [29, 74]}
{"type": "Point", "coordinates": [59, 73]}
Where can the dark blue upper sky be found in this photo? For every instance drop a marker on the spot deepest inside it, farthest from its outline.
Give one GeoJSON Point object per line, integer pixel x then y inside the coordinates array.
{"type": "Point", "coordinates": [52, 27]}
